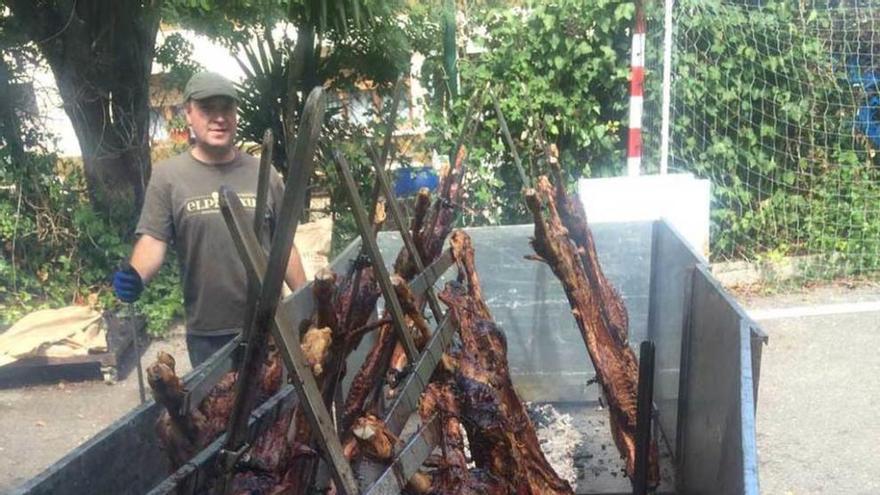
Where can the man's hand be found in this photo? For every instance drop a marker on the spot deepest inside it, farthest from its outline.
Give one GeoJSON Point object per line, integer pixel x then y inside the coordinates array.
{"type": "Point", "coordinates": [127, 284]}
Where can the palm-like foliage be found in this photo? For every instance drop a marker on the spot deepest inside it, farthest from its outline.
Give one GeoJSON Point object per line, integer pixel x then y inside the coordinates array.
{"type": "Point", "coordinates": [341, 16]}
{"type": "Point", "coordinates": [338, 45]}
{"type": "Point", "coordinates": [263, 95]}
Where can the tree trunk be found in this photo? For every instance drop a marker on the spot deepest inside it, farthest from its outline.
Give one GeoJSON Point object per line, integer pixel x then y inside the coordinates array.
{"type": "Point", "coordinates": [101, 53]}
{"type": "Point", "coordinates": [10, 127]}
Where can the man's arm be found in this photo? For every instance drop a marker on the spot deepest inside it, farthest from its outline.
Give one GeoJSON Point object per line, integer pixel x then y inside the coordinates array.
{"type": "Point", "coordinates": [147, 256]}
{"type": "Point", "coordinates": [295, 275]}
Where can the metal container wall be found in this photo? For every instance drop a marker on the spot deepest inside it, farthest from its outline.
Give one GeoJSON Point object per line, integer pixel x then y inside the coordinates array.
{"type": "Point", "coordinates": [547, 357]}
{"type": "Point", "coordinates": [706, 412]}
{"type": "Point", "coordinates": [706, 401]}
{"type": "Point", "coordinates": [716, 444]}
{"type": "Point", "coordinates": [672, 267]}
{"type": "Point", "coordinates": [707, 359]}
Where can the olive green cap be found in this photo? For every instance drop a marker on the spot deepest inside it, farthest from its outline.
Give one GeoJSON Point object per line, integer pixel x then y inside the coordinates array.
{"type": "Point", "coordinates": [207, 84]}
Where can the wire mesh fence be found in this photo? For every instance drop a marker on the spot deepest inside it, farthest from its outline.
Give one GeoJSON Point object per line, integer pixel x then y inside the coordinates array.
{"type": "Point", "coordinates": [778, 104]}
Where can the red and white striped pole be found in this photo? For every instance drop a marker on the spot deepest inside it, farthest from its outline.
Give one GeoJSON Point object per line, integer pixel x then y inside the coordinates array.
{"type": "Point", "coordinates": [636, 99]}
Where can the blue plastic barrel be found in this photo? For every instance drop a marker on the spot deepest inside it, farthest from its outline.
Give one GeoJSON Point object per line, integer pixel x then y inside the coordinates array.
{"type": "Point", "coordinates": [408, 180]}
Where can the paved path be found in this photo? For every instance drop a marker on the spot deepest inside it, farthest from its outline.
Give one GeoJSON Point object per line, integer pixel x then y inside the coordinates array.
{"type": "Point", "coordinates": [818, 416]}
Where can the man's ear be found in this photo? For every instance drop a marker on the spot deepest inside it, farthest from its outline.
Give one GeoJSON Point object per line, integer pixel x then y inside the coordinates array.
{"type": "Point", "coordinates": [187, 110]}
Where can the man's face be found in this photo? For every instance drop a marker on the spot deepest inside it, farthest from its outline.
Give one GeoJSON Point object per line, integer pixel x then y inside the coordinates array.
{"type": "Point", "coordinates": [213, 121]}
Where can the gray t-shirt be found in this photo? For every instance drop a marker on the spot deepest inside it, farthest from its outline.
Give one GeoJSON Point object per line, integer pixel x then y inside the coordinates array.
{"type": "Point", "coordinates": [181, 207]}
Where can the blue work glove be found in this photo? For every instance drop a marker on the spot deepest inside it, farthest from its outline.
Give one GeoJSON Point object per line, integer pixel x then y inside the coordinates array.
{"type": "Point", "coordinates": [127, 284]}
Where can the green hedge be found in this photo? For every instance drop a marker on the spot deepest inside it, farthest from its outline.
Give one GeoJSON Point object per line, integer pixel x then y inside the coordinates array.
{"type": "Point", "coordinates": [762, 107]}
{"type": "Point", "coordinates": [57, 251]}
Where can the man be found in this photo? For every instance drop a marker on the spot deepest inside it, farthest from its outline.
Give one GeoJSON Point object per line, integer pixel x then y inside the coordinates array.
{"type": "Point", "coordinates": [181, 207]}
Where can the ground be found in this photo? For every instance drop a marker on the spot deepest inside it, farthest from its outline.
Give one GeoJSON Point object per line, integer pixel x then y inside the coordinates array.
{"type": "Point", "coordinates": [817, 402]}
{"type": "Point", "coordinates": [819, 394]}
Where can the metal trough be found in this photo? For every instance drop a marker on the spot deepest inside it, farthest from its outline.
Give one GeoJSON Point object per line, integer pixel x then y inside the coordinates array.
{"type": "Point", "coordinates": [708, 355]}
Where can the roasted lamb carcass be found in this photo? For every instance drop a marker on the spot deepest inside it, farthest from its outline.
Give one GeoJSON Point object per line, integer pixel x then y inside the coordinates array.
{"type": "Point", "coordinates": [502, 438]}
{"type": "Point", "coordinates": [563, 240]}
